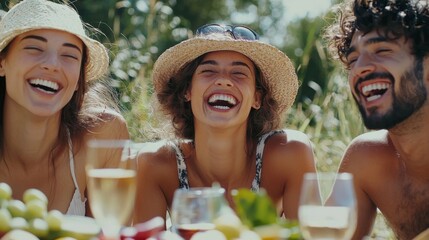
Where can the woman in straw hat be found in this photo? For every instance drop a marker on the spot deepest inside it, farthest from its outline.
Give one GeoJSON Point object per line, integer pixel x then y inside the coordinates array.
{"type": "Point", "coordinates": [49, 103]}
{"type": "Point", "coordinates": [225, 93]}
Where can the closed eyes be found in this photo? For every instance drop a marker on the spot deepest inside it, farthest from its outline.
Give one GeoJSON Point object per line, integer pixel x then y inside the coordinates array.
{"type": "Point", "coordinates": [70, 56]}
{"type": "Point", "coordinates": [34, 49]}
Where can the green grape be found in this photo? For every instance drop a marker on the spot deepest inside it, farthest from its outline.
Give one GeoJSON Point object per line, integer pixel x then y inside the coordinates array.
{"type": "Point", "coordinates": [3, 203]}
{"type": "Point", "coordinates": [5, 191]}
{"type": "Point", "coordinates": [5, 218]}
{"type": "Point", "coordinates": [17, 208]}
{"type": "Point", "coordinates": [33, 193]}
{"type": "Point", "coordinates": [54, 219]}
{"type": "Point", "coordinates": [36, 209]}
{"type": "Point", "coordinates": [19, 234]}
{"type": "Point", "coordinates": [38, 227]}
{"type": "Point", "coordinates": [19, 223]}
{"type": "Point", "coordinates": [79, 227]}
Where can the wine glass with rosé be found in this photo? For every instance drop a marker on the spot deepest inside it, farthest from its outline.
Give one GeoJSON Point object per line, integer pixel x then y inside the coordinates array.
{"type": "Point", "coordinates": [111, 177]}
{"type": "Point", "coordinates": [328, 208]}
{"type": "Point", "coordinates": [194, 210]}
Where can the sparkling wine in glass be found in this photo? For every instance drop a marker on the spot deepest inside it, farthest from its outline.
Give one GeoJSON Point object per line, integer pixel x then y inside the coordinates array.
{"type": "Point", "coordinates": [328, 208]}
{"type": "Point", "coordinates": [111, 175]}
{"type": "Point", "coordinates": [193, 210]}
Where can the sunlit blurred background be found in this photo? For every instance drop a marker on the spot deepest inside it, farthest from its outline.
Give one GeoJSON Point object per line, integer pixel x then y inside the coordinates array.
{"type": "Point", "coordinates": [138, 31]}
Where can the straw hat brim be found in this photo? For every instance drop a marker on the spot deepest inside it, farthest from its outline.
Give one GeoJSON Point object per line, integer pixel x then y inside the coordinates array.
{"type": "Point", "coordinates": [276, 68]}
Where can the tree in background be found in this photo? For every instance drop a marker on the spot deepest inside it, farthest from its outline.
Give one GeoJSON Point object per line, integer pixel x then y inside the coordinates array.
{"type": "Point", "coordinates": [139, 30]}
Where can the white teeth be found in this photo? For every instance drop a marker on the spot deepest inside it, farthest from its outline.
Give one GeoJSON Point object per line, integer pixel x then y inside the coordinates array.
{"type": "Point", "coordinates": [372, 98]}
{"type": "Point", "coordinates": [376, 86]}
{"type": "Point", "coordinates": [222, 107]}
{"type": "Point", "coordinates": [45, 85]}
{"type": "Point", "coordinates": [222, 97]}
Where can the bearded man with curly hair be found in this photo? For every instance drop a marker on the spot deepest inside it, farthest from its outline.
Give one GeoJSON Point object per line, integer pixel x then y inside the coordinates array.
{"type": "Point", "coordinates": [384, 46]}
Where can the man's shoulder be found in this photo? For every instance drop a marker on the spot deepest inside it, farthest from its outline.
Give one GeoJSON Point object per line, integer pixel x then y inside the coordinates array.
{"type": "Point", "coordinates": [368, 139]}
{"type": "Point", "coordinates": [371, 148]}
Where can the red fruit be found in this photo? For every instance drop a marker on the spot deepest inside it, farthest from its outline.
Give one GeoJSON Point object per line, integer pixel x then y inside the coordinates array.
{"type": "Point", "coordinates": [142, 231]}
{"type": "Point", "coordinates": [166, 235]}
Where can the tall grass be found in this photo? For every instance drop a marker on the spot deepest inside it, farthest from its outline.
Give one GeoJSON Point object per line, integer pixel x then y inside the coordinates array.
{"type": "Point", "coordinates": [331, 120]}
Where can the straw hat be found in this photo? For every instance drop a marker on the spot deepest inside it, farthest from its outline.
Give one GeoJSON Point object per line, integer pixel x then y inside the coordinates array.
{"type": "Point", "coordinates": [29, 15]}
{"type": "Point", "coordinates": [277, 69]}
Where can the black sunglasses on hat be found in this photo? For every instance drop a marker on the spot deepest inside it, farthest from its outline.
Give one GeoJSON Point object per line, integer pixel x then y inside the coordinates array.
{"type": "Point", "coordinates": [238, 32]}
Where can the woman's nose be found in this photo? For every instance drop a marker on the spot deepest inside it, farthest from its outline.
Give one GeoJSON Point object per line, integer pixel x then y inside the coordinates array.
{"type": "Point", "coordinates": [50, 62]}
{"type": "Point", "coordinates": [224, 81]}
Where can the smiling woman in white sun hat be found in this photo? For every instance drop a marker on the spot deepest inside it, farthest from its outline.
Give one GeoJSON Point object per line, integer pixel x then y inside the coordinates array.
{"type": "Point", "coordinates": [225, 94]}
{"type": "Point", "coordinates": [51, 102]}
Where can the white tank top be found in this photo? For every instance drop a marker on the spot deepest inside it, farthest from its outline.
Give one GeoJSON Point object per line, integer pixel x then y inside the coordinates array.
{"type": "Point", "coordinates": [77, 206]}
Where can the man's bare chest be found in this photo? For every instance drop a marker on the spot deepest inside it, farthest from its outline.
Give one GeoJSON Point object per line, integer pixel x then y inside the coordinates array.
{"type": "Point", "coordinates": [406, 208]}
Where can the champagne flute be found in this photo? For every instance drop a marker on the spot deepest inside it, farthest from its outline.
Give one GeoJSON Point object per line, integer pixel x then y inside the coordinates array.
{"type": "Point", "coordinates": [328, 209]}
{"type": "Point", "coordinates": [111, 176]}
{"type": "Point", "coordinates": [193, 210]}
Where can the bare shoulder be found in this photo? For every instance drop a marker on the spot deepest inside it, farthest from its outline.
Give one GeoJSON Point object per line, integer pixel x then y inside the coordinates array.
{"type": "Point", "coordinates": [157, 160]}
{"type": "Point", "coordinates": [157, 171]}
{"type": "Point", "coordinates": [156, 153]}
{"type": "Point", "coordinates": [287, 155]}
{"type": "Point", "coordinates": [289, 141]}
{"type": "Point", "coordinates": [289, 147]}
{"type": "Point", "coordinates": [373, 137]}
{"type": "Point", "coordinates": [295, 135]}
{"type": "Point", "coordinates": [157, 179]}
{"type": "Point", "coordinates": [110, 125]}
{"type": "Point", "coordinates": [368, 143]}
{"type": "Point", "coordinates": [371, 151]}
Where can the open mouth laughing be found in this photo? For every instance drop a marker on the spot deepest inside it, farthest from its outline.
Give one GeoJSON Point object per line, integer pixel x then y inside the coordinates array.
{"type": "Point", "coordinates": [222, 101]}
{"type": "Point", "coordinates": [374, 91]}
{"type": "Point", "coordinates": [46, 86]}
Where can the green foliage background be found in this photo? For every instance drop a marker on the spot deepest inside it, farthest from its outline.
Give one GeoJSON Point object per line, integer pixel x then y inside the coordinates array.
{"type": "Point", "coordinates": [138, 31]}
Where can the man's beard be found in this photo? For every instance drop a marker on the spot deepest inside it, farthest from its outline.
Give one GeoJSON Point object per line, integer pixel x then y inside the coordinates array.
{"type": "Point", "coordinates": [412, 96]}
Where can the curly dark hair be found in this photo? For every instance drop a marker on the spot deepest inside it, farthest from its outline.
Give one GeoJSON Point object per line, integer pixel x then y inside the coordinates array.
{"type": "Point", "coordinates": [173, 103]}
{"type": "Point", "coordinates": [392, 19]}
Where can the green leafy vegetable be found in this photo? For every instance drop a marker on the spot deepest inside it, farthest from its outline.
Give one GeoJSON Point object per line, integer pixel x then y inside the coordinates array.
{"type": "Point", "coordinates": [257, 211]}
{"type": "Point", "coordinates": [254, 209]}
